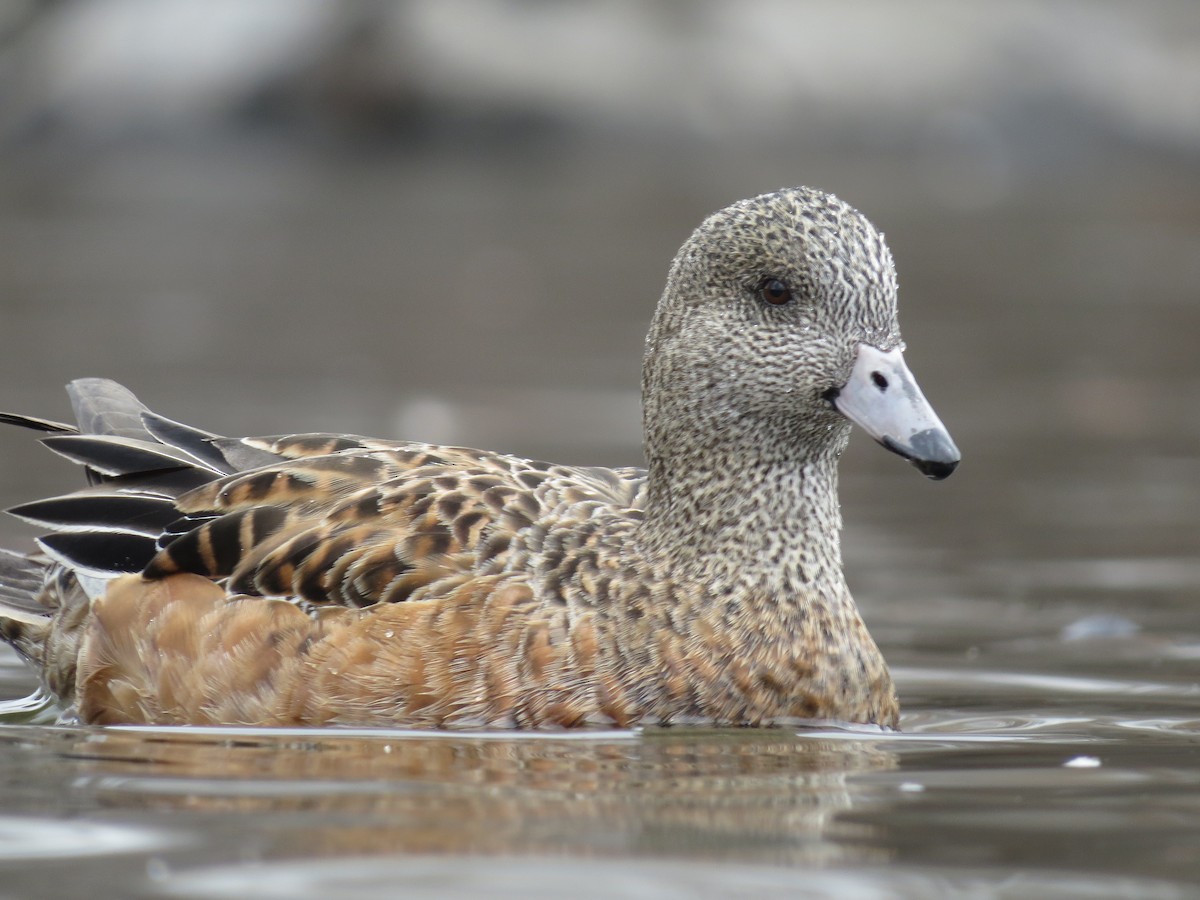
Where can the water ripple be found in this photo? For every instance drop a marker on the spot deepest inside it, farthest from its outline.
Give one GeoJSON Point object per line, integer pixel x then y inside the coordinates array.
{"type": "Point", "coordinates": [28, 838]}
{"type": "Point", "coordinates": [1054, 684]}
{"type": "Point", "coordinates": [448, 878]}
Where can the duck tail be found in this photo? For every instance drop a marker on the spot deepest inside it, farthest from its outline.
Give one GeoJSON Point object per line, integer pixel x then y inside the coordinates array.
{"type": "Point", "coordinates": [138, 464]}
{"type": "Point", "coordinates": [42, 611]}
{"type": "Point", "coordinates": [24, 609]}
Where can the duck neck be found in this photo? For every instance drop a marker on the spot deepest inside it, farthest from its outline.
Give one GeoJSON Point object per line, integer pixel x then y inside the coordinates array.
{"type": "Point", "coordinates": [759, 518]}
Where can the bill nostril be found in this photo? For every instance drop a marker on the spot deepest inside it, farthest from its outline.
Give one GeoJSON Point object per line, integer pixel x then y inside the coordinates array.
{"type": "Point", "coordinates": [880, 381]}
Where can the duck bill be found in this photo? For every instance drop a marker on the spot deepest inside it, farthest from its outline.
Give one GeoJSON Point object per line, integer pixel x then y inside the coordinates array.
{"type": "Point", "coordinates": [882, 397]}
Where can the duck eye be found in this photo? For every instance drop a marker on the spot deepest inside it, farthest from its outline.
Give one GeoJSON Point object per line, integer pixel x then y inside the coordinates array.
{"type": "Point", "coordinates": [774, 291]}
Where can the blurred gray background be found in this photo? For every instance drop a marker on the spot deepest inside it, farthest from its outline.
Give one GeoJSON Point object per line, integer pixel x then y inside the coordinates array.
{"type": "Point", "coordinates": [449, 220]}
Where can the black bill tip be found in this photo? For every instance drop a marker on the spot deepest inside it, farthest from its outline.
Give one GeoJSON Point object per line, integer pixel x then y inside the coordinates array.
{"type": "Point", "coordinates": [935, 470]}
{"type": "Point", "coordinates": [931, 451]}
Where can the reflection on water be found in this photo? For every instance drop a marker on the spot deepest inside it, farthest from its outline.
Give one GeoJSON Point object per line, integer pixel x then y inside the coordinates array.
{"type": "Point", "coordinates": [234, 812]}
{"type": "Point", "coordinates": [742, 795]}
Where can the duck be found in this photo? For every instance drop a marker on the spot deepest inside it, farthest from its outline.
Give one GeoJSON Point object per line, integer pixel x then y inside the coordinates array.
{"type": "Point", "coordinates": [328, 579]}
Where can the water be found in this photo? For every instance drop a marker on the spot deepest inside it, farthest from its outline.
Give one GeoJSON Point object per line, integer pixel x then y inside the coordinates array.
{"type": "Point", "coordinates": [1038, 608]}
{"type": "Point", "coordinates": [997, 788]}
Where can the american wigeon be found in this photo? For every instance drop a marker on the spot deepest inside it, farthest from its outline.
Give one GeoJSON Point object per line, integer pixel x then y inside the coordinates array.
{"type": "Point", "coordinates": [322, 579]}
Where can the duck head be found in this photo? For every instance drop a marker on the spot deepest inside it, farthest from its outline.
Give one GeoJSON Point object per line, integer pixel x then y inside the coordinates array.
{"type": "Point", "coordinates": [776, 330]}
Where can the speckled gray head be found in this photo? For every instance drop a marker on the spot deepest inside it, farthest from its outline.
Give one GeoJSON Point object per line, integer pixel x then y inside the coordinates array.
{"type": "Point", "coordinates": [778, 324]}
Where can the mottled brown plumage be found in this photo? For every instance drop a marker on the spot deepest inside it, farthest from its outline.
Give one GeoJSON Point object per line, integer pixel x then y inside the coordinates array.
{"type": "Point", "coordinates": [320, 579]}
